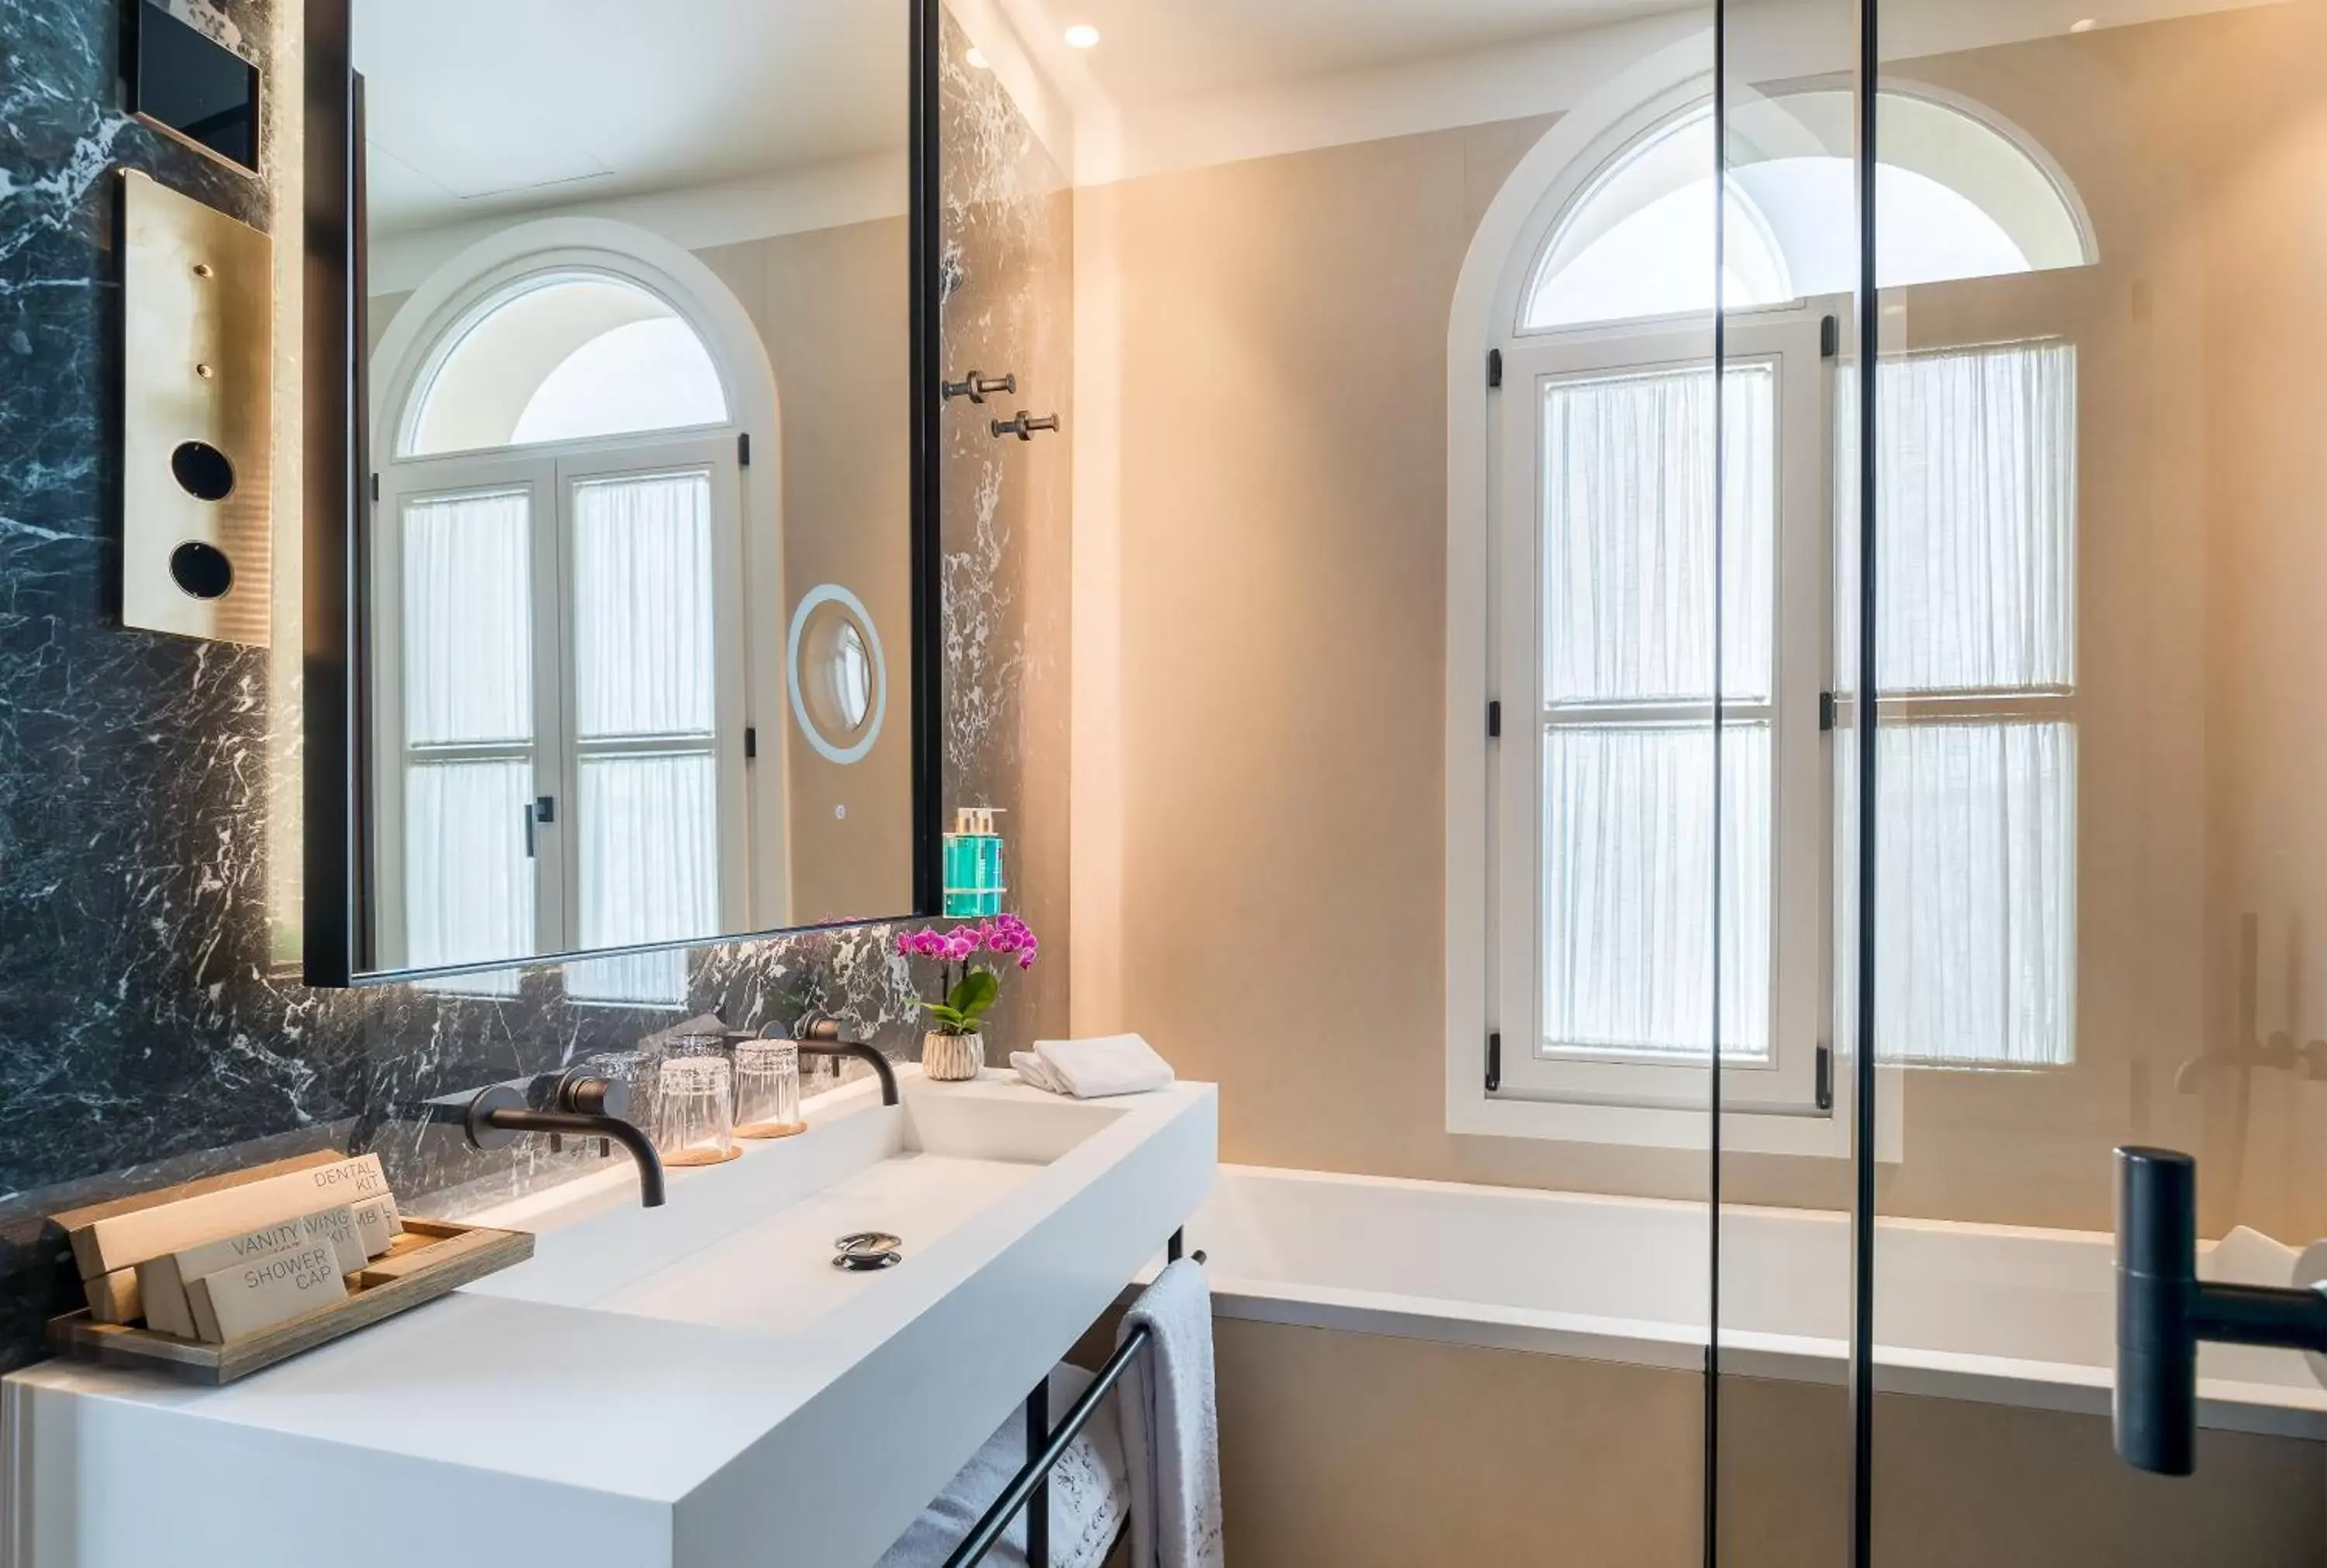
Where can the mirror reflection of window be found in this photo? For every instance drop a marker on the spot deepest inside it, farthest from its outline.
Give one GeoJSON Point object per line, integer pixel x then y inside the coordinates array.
{"type": "Point", "coordinates": [563, 489]}
{"type": "Point", "coordinates": [850, 668]}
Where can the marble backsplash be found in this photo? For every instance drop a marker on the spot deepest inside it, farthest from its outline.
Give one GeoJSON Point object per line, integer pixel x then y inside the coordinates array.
{"type": "Point", "coordinates": [144, 1037]}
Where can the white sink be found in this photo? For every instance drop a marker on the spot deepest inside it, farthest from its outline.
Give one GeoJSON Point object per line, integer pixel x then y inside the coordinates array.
{"type": "Point", "coordinates": [693, 1385]}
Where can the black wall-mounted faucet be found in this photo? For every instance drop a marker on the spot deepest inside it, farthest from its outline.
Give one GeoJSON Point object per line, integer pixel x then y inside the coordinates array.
{"type": "Point", "coordinates": [823, 1038]}
{"type": "Point", "coordinates": [581, 1107]}
{"type": "Point", "coordinates": [2164, 1310]}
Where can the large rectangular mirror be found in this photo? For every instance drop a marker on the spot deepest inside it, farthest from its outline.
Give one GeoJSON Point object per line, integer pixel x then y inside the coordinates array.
{"type": "Point", "coordinates": [630, 646]}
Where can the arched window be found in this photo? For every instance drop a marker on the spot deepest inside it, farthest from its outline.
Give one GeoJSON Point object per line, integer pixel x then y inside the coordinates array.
{"type": "Point", "coordinates": [1955, 197]}
{"type": "Point", "coordinates": [1652, 518]}
{"type": "Point", "coordinates": [558, 655]}
{"type": "Point", "coordinates": [563, 356]}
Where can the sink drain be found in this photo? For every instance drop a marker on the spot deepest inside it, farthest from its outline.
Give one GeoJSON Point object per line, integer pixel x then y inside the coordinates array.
{"type": "Point", "coordinates": [867, 1250]}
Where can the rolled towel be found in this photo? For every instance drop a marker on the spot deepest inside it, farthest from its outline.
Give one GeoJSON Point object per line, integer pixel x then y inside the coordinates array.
{"type": "Point", "coordinates": [1090, 1069]}
{"type": "Point", "coordinates": [1171, 1429]}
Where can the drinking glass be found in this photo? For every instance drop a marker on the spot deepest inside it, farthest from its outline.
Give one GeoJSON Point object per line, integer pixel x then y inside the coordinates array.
{"type": "Point", "coordinates": [694, 1114]}
{"type": "Point", "coordinates": [767, 1089]}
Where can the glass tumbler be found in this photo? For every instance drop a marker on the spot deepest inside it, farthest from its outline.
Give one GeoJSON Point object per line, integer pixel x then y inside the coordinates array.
{"type": "Point", "coordinates": [767, 1089]}
{"type": "Point", "coordinates": [693, 1113]}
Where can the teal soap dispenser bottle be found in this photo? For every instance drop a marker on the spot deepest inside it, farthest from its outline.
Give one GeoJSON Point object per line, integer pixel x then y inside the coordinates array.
{"type": "Point", "coordinates": [974, 883]}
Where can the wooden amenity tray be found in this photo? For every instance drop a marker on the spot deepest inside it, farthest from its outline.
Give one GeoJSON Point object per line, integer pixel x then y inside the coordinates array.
{"type": "Point", "coordinates": [439, 1255]}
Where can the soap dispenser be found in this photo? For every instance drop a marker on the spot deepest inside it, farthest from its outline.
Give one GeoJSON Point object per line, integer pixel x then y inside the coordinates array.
{"type": "Point", "coordinates": [973, 864]}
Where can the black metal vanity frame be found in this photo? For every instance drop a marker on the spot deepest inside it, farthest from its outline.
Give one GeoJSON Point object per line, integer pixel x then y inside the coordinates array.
{"type": "Point", "coordinates": [1046, 1445]}
{"type": "Point", "coordinates": [335, 409]}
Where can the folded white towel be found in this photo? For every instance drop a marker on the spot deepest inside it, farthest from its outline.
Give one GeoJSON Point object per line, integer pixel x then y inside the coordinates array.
{"type": "Point", "coordinates": [1171, 1431]}
{"type": "Point", "coordinates": [1090, 1496]}
{"type": "Point", "coordinates": [1090, 1069]}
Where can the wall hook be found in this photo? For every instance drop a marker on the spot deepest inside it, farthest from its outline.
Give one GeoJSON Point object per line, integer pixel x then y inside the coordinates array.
{"type": "Point", "coordinates": [1024, 426]}
{"type": "Point", "coordinates": [978, 388]}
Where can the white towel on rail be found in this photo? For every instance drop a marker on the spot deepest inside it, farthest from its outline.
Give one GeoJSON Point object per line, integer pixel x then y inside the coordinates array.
{"type": "Point", "coordinates": [1090, 1069]}
{"type": "Point", "coordinates": [1089, 1494]}
{"type": "Point", "coordinates": [1171, 1429]}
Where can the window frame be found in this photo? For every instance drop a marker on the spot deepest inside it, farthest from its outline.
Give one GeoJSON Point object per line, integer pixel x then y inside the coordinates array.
{"type": "Point", "coordinates": [1999, 708]}
{"type": "Point", "coordinates": [1788, 340]}
{"type": "Point", "coordinates": [549, 474]}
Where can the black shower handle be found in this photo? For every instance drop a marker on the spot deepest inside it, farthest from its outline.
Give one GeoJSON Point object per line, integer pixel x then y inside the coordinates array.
{"type": "Point", "coordinates": [2164, 1310]}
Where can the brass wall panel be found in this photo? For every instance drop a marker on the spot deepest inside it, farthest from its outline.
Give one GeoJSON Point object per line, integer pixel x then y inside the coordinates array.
{"type": "Point", "coordinates": [198, 303]}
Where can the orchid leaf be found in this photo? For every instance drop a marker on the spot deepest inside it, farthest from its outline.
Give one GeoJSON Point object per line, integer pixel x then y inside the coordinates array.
{"type": "Point", "coordinates": [976, 993]}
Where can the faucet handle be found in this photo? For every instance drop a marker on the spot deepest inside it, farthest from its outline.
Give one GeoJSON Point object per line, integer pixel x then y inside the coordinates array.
{"type": "Point", "coordinates": [590, 1095]}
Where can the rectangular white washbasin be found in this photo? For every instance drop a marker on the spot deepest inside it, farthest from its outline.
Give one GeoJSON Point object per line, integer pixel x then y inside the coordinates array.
{"type": "Point", "coordinates": [749, 1247]}
{"type": "Point", "coordinates": [693, 1385]}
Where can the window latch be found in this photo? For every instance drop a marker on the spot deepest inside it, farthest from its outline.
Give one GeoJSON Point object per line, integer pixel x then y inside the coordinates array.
{"type": "Point", "coordinates": [1494, 721]}
{"type": "Point", "coordinates": [1494, 1062]}
{"type": "Point", "coordinates": [1825, 711]}
{"type": "Point", "coordinates": [1826, 1078]}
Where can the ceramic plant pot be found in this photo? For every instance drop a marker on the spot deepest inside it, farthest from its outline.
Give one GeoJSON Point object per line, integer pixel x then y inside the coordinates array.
{"type": "Point", "coordinates": [952, 1059]}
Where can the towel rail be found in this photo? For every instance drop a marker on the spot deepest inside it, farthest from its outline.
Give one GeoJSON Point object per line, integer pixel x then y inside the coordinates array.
{"type": "Point", "coordinates": [1031, 1483]}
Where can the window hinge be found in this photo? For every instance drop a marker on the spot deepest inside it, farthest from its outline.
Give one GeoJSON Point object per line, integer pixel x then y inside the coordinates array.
{"type": "Point", "coordinates": [1494, 368]}
{"type": "Point", "coordinates": [751, 743]}
{"type": "Point", "coordinates": [1825, 711]}
{"type": "Point", "coordinates": [1826, 1078]}
{"type": "Point", "coordinates": [1829, 337]}
{"type": "Point", "coordinates": [743, 449]}
{"type": "Point", "coordinates": [1494, 721]}
{"type": "Point", "coordinates": [1494, 1062]}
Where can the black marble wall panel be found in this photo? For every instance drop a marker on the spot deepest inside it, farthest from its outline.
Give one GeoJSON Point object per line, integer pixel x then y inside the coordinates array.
{"type": "Point", "coordinates": [142, 1038]}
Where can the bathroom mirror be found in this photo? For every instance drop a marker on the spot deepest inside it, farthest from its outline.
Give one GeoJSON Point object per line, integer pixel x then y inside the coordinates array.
{"type": "Point", "coordinates": [620, 594]}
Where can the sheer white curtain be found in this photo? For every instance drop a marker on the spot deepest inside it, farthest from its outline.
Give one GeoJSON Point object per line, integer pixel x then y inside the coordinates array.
{"type": "Point", "coordinates": [1976, 509]}
{"type": "Point", "coordinates": [1630, 535]}
{"type": "Point", "coordinates": [645, 670]}
{"type": "Point", "coordinates": [643, 607]}
{"type": "Point", "coordinates": [1631, 557]}
{"type": "Point", "coordinates": [468, 620]}
{"type": "Point", "coordinates": [648, 862]}
{"type": "Point", "coordinates": [1977, 759]}
{"type": "Point", "coordinates": [467, 668]}
{"type": "Point", "coordinates": [1628, 889]}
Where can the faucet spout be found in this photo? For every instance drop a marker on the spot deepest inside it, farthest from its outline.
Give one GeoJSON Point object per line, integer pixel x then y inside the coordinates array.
{"type": "Point", "coordinates": [823, 1038]}
{"type": "Point", "coordinates": [500, 1112]}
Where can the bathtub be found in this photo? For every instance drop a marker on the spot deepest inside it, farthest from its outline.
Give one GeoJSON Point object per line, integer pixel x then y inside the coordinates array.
{"type": "Point", "coordinates": [1993, 1313]}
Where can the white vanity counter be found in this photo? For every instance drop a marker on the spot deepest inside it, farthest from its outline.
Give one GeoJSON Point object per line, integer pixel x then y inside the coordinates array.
{"type": "Point", "coordinates": [690, 1386]}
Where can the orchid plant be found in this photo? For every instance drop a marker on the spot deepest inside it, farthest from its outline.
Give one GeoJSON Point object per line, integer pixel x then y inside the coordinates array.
{"type": "Point", "coordinates": [969, 989]}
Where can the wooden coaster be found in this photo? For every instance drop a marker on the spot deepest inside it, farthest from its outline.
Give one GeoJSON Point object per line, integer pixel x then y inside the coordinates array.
{"type": "Point", "coordinates": [772, 1129]}
{"type": "Point", "coordinates": [703, 1157]}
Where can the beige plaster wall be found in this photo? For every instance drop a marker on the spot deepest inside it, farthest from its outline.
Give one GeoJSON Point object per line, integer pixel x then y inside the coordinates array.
{"type": "Point", "coordinates": [827, 302]}
{"type": "Point", "coordinates": [1273, 514]}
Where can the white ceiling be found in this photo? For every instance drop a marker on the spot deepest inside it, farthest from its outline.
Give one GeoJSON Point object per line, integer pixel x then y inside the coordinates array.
{"type": "Point", "coordinates": [479, 107]}
{"type": "Point", "coordinates": [1157, 50]}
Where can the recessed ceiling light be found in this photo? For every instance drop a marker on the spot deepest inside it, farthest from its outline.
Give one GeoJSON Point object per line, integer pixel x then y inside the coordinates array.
{"type": "Point", "coordinates": [2084, 25]}
{"type": "Point", "coordinates": [1082, 35]}
{"type": "Point", "coordinates": [975, 59]}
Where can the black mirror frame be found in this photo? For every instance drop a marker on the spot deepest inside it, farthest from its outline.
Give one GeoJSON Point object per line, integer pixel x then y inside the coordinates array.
{"type": "Point", "coordinates": [338, 940]}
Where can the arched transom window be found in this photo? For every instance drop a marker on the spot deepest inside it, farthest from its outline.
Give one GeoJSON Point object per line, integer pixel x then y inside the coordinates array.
{"type": "Point", "coordinates": [1955, 197]}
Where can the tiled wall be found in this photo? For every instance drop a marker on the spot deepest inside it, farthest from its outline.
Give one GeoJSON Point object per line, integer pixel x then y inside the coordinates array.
{"type": "Point", "coordinates": [142, 1038]}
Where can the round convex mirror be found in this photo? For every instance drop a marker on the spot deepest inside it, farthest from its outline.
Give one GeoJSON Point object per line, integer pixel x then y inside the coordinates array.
{"type": "Point", "coordinates": [838, 674]}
